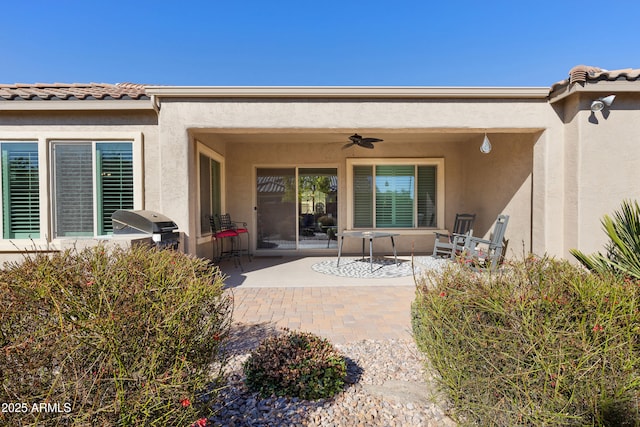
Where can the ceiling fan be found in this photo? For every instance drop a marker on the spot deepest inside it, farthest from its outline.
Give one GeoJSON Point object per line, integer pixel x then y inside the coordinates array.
{"type": "Point", "coordinates": [360, 141]}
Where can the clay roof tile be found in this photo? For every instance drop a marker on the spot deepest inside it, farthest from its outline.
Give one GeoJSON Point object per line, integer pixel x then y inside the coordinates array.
{"type": "Point", "coordinates": [73, 91]}
{"type": "Point", "coordinates": [582, 74]}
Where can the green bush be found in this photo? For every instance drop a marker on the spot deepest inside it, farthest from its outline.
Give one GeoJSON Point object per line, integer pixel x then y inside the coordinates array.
{"type": "Point", "coordinates": [541, 343]}
{"type": "Point", "coordinates": [112, 337]}
{"type": "Point", "coordinates": [327, 221]}
{"type": "Point", "coordinates": [295, 364]}
{"type": "Point", "coordinates": [623, 248]}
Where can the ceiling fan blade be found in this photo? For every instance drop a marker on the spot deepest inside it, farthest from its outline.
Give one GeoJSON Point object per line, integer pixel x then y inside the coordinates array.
{"type": "Point", "coordinates": [366, 144]}
{"type": "Point", "coordinates": [372, 140]}
{"type": "Point", "coordinates": [348, 145]}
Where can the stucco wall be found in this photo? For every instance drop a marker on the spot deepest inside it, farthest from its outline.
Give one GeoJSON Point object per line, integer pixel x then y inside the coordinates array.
{"type": "Point", "coordinates": [556, 168]}
{"type": "Point", "coordinates": [499, 182]}
{"type": "Point", "coordinates": [605, 159]}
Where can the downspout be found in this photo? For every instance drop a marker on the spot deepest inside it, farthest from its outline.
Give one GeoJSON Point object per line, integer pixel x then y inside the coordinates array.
{"type": "Point", "coordinates": [155, 103]}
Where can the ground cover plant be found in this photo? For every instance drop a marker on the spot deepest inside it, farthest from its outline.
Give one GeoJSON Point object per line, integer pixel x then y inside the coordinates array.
{"type": "Point", "coordinates": [542, 342]}
{"type": "Point", "coordinates": [296, 364]}
{"type": "Point", "coordinates": [121, 337]}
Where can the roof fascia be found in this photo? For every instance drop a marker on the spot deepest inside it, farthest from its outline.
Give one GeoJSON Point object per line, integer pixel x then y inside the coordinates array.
{"type": "Point", "coordinates": [347, 92]}
{"type": "Point", "coordinates": [598, 87]}
{"type": "Point", "coordinates": [83, 105]}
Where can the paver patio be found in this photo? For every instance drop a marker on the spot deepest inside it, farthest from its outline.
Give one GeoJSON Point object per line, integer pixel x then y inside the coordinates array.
{"type": "Point", "coordinates": [287, 293]}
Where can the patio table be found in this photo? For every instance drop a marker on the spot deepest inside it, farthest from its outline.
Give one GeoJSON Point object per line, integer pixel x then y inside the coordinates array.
{"type": "Point", "coordinates": [364, 235]}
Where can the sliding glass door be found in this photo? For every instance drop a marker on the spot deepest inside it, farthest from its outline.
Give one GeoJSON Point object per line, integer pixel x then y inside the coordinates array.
{"type": "Point", "coordinates": [297, 208]}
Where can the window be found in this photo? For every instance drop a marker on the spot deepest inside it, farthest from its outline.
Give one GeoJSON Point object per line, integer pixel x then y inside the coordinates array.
{"type": "Point", "coordinates": [389, 193]}
{"type": "Point", "coordinates": [210, 190]}
{"type": "Point", "coordinates": [20, 190]}
{"type": "Point", "coordinates": [91, 181]}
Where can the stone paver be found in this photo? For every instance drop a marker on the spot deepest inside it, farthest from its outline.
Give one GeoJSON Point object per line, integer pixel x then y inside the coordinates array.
{"type": "Point", "coordinates": [341, 314]}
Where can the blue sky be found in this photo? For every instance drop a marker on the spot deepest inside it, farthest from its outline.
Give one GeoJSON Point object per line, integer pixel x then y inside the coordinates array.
{"type": "Point", "coordinates": [318, 43]}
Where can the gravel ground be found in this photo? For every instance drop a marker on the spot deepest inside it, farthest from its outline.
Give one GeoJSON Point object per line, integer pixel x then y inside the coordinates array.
{"type": "Point", "coordinates": [386, 387]}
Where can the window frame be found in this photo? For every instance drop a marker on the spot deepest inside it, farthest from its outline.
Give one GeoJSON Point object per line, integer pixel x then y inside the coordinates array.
{"type": "Point", "coordinates": [44, 138]}
{"type": "Point", "coordinates": [202, 149]}
{"type": "Point", "coordinates": [38, 233]}
{"type": "Point", "coordinates": [96, 209]}
{"type": "Point", "coordinates": [373, 162]}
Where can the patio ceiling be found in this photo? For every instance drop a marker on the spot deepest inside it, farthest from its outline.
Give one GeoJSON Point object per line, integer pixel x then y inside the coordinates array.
{"type": "Point", "coordinates": [340, 136]}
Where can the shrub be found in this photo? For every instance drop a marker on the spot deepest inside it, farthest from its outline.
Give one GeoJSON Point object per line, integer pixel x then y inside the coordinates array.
{"type": "Point", "coordinates": [623, 248]}
{"type": "Point", "coordinates": [295, 364]}
{"type": "Point", "coordinates": [113, 337]}
{"type": "Point", "coordinates": [327, 221]}
{"type": "Point", "coordinates": [542, 343]}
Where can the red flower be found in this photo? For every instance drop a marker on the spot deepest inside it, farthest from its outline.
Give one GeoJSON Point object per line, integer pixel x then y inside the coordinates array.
{"type": "Point", "coordinates": [598, 328]}
{"type": "Point", "coordinates": [216, 337]}
{"type": "Point", "coordinates": [202, 422]}
{"type": "Point", "coordinates": [443, 294]}
{"type": "Point", "coordinates": [185, 402]}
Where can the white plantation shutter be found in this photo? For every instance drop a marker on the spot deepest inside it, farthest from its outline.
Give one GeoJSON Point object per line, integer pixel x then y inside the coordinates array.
{"type": "Point", "coordinates": [114, 172]}
{"type": "Point", "coordinates": [79, 168]}
{"type": "Point", "coordinates": [427, 212]}
{"type": "Point", "coordinates": [20, 191]}
{"type": "Point", "coordinates": [73, 189]}
{"type": "Point", "coordinates": [398, 195]}
{"type": "Point", "coordinates": [210, 192]}
{"type": "Point", "coordinates": [395, 196]}
{"type": "Point", "coordinates": [363, 196]}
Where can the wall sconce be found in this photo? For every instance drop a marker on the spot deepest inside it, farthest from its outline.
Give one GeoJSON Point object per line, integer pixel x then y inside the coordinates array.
{"type": "Point", "coordinates": [600, 103]}
{"type": "Point", "coordinates": [486, 145]}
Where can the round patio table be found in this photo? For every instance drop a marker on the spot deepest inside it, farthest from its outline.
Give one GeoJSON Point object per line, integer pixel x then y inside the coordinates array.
{"type": "Point", "coordinates": [364, 235]}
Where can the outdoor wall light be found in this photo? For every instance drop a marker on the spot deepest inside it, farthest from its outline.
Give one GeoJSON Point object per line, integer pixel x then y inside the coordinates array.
{"type": "Point", "coordinates": [600, 103]}
{"type": "Point", "coordinates": [486, 145]}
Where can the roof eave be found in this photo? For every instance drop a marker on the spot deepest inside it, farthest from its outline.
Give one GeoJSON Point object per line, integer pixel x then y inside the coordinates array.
{"type": "Point", "coordinates": [594, 87]}
{"type": "Point", "coordinates": [346, 92]}
{"type": "Point", "coordinates": [80, 105]}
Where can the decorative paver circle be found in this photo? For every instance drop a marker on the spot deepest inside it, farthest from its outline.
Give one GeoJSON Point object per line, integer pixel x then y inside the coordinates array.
{"type": "Point", "coordinates": [383, 268]}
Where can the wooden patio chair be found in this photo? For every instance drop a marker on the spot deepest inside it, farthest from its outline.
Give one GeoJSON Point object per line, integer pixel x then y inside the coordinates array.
{"type": "Point", "coordinates": [462, 226]}
{"type": "Point", "coordinates": [483, 254]}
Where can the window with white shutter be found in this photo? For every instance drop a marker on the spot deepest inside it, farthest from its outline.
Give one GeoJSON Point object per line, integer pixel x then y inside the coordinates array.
{"type": "Point", "coordinates": [20, 190]}
{"type": "Point", "coordinates": [91, 181]}
{"type": "Point", "coordinates": [363, 196]}
{"type": "Point", "coordinates": [114, 173]}
{"type": "Point", "coordinates": [210, 191]}
{"type": "Point", "coordinates": [395, 193]}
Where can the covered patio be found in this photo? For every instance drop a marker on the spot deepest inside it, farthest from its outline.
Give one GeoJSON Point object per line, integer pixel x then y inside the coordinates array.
{"type": "Point", "coordinates": [321, 271]}
{"type": "Point", "coordinates": [277, 159]}
{"type": "Point", "coordinates": [265, 175]}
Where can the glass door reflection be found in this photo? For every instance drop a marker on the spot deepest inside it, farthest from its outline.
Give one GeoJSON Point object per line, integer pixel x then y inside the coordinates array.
{"type": "Point", "coordinates": [317, 208]}
{"type": "Point", "coordinates": [276, 203]}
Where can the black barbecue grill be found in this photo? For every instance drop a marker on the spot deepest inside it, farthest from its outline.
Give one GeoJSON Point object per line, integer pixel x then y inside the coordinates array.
{"type": "Point", "coordinates": [162, 230]}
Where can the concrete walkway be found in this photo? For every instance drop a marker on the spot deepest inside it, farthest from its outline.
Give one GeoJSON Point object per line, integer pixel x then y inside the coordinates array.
{"type": "Point", "coordinates": [285, 292]}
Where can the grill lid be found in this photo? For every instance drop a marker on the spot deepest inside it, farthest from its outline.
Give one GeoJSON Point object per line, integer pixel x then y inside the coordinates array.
{"type": "Point", "coordinates": [141, 221]}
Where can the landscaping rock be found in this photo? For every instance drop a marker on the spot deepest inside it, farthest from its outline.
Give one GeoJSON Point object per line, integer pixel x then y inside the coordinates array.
{"type": "Point", "coordinates": [386, 387]}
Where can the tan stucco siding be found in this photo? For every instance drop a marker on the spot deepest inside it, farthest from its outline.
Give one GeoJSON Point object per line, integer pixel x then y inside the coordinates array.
{"type": "Point", "coordinates": [459, 123]}
{"type": "Point", "coordinates": [606, 146]}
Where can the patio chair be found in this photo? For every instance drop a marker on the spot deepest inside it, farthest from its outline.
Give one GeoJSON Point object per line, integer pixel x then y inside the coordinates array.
{"type": "Point", "coordinates": [239, 227]}
{"type": "Point", "coordinates": [463, 225]}
{"type": "Point", "coordinates": [484, 254]}
{"type": "Point", "coordinates": [220, 233]}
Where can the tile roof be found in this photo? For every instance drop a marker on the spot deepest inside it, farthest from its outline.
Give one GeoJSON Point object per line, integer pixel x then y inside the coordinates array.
{"type": "Point", "coordinates": [73, 91]}
{"type": "Point", "coordinates": [585, 73]}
